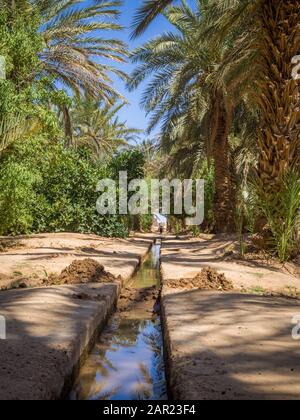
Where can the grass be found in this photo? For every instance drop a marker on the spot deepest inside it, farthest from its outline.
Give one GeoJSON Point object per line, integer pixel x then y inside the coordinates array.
{"type": "Point", "coordinates": [17, 273]}
{"type": "Point", "coordinates": [259, 275]}
{"type": "Point", "coordinates": [289, 292]}
{"type": "Point", "coordinates": [281, 210]}
{"type": "Point", "coordinates": [257, 290]}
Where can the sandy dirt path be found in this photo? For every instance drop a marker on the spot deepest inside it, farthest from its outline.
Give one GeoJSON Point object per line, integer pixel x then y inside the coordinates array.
{"type": "Point", "coordinates": [228, 345]}
{"type": "Point", "coordinates": [32, 259]}
{"type": "Point", "coordinates": [185, 258]}
{"type": "Point", "coordinates": [231, 346]}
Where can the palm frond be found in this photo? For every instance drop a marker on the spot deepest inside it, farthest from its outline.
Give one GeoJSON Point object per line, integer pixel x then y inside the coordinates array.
{"type": "Point", "coordinates": [15, 127]}
{"type": "Point", "coordinates": [73, 55]}
{"type": "Point", "coordinates": [97, 126]}
{"type": "Point", "coordinates": [146, 13]}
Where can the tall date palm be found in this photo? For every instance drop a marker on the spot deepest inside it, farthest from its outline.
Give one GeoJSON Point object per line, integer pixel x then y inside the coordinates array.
{"type": "Point", "coordinates": [77, 44]}
{"type": "Point", "coordinates": [97, 125]}
{"type": "Point", "coordinates": [276, 37]}
{"type": "Point", "coordinates": [190, 97]}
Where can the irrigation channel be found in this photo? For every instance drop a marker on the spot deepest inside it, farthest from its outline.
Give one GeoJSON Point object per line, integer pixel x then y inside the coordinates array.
{"type": "Point", "coordinates": [127, 362]}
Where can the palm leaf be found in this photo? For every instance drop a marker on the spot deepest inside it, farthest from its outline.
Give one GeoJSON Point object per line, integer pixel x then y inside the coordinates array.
{"type": "Point", "coordinates": [14, 128]}
{"type": "Point", "coordinates": [149, 10]}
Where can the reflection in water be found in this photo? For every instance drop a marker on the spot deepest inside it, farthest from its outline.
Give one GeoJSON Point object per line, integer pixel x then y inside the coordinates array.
{"type": "Point", "coordinates": [149, 274]}
{"type": "Point", "coordinates": [127, 363]}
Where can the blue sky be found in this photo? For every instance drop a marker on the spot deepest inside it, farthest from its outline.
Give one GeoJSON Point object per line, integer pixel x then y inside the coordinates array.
{"type": "Point", "coordinates": [133, 113]}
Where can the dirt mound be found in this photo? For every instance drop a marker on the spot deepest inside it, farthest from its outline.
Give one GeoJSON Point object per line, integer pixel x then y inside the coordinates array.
{"type": "Point", "coordinates": [84, 271]}
{"type": "Point", "coordinates": [7, 244]}
{"type": "Point", "coordinates": [133, 298]}
{"type": "Point", "coordinates": [208, 279]}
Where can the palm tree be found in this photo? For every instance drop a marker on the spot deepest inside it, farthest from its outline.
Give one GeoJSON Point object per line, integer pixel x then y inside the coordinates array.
{"type": "Point", "coordinates": [192, 97]}
{"type": "Point", "coordinates": [74, 42]}
{"type": "Point", "coordinates": [15, 127]}
{"type": "Point", "coordinates": [73, 48]}
{"type": "Point", "coordinates": [98, 126]}
{"type": "Point", "coordinates": [154, 160]}
{"type": "Point", "coordinates": [147, 12]}
{"type": "Point", "coordinates": [268, 31]}
{"type": "Point", "coordinates": [279, 94]}
{"type": "Point", "coordinates": [71, 41]}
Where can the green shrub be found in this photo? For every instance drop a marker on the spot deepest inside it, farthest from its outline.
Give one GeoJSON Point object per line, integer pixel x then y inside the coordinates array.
{"type": "Point", "coordinates": [132, 161]}
{"type": "Point", "coordinates": [146, 221]}
{"type": "Point", "coordinates": [53, 189]}
{"type": "Point", "coordinates": [17, 198]}
{"type": "Point", "coordinates": [281, 210]}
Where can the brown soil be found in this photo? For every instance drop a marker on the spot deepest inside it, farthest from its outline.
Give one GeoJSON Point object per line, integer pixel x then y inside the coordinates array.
{"type": "Point", "coordinates": [207, 279]}
{"type": "Point", "coordinates": [33, 261]}
{"type": "Point", "coordinates": [133, 298]}
{"type": "Point", "coordinates": [256, 253]}
{"type": "Point", "coordinates": [9, 244]}
{"type": "Point", "coordinates": [249, 273]}
{"type": "Point", "coordinates": [81, 272]}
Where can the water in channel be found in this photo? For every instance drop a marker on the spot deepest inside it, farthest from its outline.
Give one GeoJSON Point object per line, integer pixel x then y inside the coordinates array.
{"type": "Point", "coordinates": [127, 362]}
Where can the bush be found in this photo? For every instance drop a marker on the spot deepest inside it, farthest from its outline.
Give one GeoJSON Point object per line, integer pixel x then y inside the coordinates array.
{"type": "Point", "coordinates": [132, 161]}
{"type": "Point", "coordinates": [53, 189]}
{"type": "Point", "coordinates": [146, 221]}
{"type": "Point", "coordinates": [17, 198]}
{"type": "Point", "coordinates": [281, 210]}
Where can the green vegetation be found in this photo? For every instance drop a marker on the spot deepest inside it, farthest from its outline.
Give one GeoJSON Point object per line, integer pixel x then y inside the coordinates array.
{"type": "Point", "coordinates": [59, 130]}
{"type": "Point", "coordinates": [257, 290]}
{"type": "Point", "coordinates": [219, 86]}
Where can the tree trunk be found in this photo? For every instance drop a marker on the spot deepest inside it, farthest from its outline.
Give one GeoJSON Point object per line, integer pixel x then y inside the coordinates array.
{"type": "Point", "coordinates": [278, 93]}
{"type": "Point", "coordinates": [225, 191]}
{"type": "Point", "coordinates": [68, 127]}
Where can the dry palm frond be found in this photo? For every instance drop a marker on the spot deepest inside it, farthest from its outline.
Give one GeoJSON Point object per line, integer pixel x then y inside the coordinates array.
{"type": "Point", "coordinates": [14, 128]}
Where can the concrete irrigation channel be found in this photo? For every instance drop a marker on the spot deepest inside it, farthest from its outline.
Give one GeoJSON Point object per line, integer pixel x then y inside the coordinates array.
{"type": "Point", "coordinates": [51, 330]}
{"type": "Point", "coordinates": [127, 361]}
{"type": "Point", "coordinates": [70, 342]}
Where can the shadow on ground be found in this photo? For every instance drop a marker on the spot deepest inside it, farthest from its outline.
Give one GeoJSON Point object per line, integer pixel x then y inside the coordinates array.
{"type": "Point", "coordinates": [232, 346]}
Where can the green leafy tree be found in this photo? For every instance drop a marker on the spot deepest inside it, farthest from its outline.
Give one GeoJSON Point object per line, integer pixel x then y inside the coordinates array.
{"type": "Point", "coordinates": [132, 161]}
{"type": "Point", "coordinates": [20, 43]}
{"type": "Point", "coordinates": [45, 187]}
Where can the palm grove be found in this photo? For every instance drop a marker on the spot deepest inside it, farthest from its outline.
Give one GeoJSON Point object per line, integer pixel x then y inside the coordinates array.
{"type": "Point", "coordinates": [219, 85]}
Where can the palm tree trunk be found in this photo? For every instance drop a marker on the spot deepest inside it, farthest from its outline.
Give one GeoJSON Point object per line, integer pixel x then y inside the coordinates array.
{"type": "Point", "coordinates": [68, 127]}
{"type": "Point", "coordinates": [225, 191]}
{"type": "Point", "coordinates": [278, 93]}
